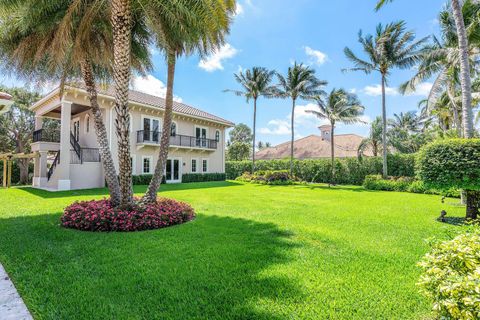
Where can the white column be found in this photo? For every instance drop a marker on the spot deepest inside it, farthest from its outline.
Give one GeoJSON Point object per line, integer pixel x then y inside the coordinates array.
{"type": "Point", "coordinates": [38, 122]}
{"type": "Point", "coordinates": [40, 170]}
{"type": "Point", "coordinates": [64, 167]}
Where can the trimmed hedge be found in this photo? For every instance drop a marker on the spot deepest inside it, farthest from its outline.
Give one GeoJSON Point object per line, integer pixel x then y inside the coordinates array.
{"type": "Point", "coordinates": [348, 170]}
{"type": "Point", "coordinates": [280, 177]}
{"type": "Point", "coordinates": [203, 177]}
{"type": "Point", "coordinates": [186, 178]}
{"type": "Point", "coordinates": [404, 184]}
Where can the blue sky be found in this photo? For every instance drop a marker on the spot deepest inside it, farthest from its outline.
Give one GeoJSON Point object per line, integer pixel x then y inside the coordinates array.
{"type": "Point", "coordinates": [273, 34]}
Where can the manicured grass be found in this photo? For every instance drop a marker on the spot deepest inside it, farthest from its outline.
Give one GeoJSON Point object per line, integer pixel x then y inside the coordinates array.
{"type": "Point", "coordinates": [254, 252]}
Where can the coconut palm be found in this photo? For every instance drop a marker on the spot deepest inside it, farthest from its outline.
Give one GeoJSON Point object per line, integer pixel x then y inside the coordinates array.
{"type": "Point", "coordinates": [299, 83]}
{"type": "Point", "coordinates": [465, 79]}
{"type": "Point", "coordinates": [374, 139]}
{"type": "Point", "coordinates": [68, 41]}
{"type": "Point", "coordinates": [195, 27]}
{"type": "Point", "coordinates": [255, 83]}
{"type": "Point", "coordinates": [390, 47]}
{"type": "Point", "coordinates": [338, 107]}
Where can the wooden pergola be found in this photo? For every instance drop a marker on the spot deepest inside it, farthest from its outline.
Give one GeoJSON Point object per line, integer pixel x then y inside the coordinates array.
{"type": "Point", "coordinates": [8, 159]}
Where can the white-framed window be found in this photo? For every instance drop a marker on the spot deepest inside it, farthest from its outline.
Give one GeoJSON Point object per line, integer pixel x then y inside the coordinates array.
{"type": "Point", "coordinates": [201, 134]}
{"type": "Point", "coordinates": [151, 127]}
{"type": "Point", "coordinates": [204, 165]}
{"type": "Point", "coordinates": [133, 162]}
{"type": "Point", "coordinates": [217, 135]}
{"type": "Point", "coordinates": [173, 129]}
{"type": "Point", "coordinates": [147, 164]}
{"type": "Point", "coordinates": [194, 165]}
{"type": "Point", "coordinates": [87, 123]}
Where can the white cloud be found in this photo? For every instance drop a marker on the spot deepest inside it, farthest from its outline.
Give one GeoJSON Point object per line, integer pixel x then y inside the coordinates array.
{"type": "Point", "coordinates": [151, 85]}
{"type": "Point", "coordinates": [353, 90]}
{"type": "Point", "coordinates": [317, 56]}
{"type": "Point", "coordinates": [214, 61]}
{"type": "Point", "coordinates": [239, 9]}
{"type": "Point", "coordinates": [276, 127]}
{"type": "Point", "coordinates": [423, 89]}
{"type": "Point", "coordinates": [376, 90]}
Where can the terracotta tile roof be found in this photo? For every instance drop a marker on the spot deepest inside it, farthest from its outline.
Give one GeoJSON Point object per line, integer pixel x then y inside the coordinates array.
{"type": "Point", "coordinates": [313, 146]}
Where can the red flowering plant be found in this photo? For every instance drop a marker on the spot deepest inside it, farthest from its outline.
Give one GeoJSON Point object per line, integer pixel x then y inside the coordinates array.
{"type": "Point", "coordinates": [99, 215]}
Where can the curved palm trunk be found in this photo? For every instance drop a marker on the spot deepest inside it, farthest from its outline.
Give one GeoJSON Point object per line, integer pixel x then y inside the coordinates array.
{"type": "Point", "coordinates": [384, 129]}
{"type": "Point", "coordinates": [465, 80]}
{"type": "Point", "coordinates": [332, 151]}
{"type": "Point", "coordinates": [151, 194]}
{"type": "Point", "coordinates": [121, 24]}
{"type": "Point", "coordinates": [293, 137]}
{"type": "Point", "coordinates": [254, 132]}
{"type": "Point", "coordinates": [101, 133]}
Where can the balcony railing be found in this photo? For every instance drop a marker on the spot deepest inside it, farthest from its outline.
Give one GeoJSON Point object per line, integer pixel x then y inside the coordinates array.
{"type": "Point", "coordinates": [43, 135]}
{"type": "Point", "coordinates": [153, 137]}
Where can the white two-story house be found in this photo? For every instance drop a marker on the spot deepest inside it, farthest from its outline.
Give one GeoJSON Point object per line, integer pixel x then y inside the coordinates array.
{"type": "Point", "coordinates": [69, 159]}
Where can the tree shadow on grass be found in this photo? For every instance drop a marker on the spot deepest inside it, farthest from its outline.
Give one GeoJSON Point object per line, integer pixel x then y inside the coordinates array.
{"type": "Point", "coordinates": [210, 268]}
{"type": "Point", "coordinates": [137, 189]}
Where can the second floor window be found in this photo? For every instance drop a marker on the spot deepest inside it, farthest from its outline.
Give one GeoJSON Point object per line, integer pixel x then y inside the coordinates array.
{"type": "Point", "coordinates": [87, 123]}
{"type": "Point", "coordinates": [173, 129]}
{"type": "Point", "coordinates": [217, 136]}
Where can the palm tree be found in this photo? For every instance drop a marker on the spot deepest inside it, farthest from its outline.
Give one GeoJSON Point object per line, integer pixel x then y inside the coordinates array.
{"type": "Point", "coordinates": [255, 83]}
{"type": "Point", "coordinates": [338, 107]}
{"type": "Point", "coordinates": [442, 60]}
{"type": "Point", "coordinates": [300, 83]}
{"type": "Point", "coordinates": [391, 46]}
{"type": "Point", "coordinates": [68, 41]}
{"type": "Point", "coordinates": [194, 27]}
{"type": "Point", "coordinates": [374, 139]}
{"type": "Point", "coordinates": [465, 79]}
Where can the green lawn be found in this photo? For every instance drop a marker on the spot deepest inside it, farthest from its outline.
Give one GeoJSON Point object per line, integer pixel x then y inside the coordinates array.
{"type": "Point", "coordinates": [254, 252]}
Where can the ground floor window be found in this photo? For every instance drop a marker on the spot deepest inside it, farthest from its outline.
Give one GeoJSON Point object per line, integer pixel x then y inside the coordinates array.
{"type": "Point", "coordinates": [133, 164]}
{"type": "Point", "coordinates": [147, 165]}
{"type": "Point", "coordinates": [204, 165]}
{"type": "Point", "coordinates": [194, 165]}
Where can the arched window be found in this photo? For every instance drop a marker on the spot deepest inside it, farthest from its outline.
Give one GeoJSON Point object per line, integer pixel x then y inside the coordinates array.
{"type": "Point", "coordinates": [173, 129]}
{"type": "Point", "coordinates": [87, 123]}
{"type": "Point", "coordinates": [217, 135]}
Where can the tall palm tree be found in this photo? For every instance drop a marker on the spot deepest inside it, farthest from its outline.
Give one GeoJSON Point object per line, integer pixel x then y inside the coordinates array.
{"type": "Point", "coordinates": [374, 139]}
{"type": "Point", "coordinates": [68, 41]}
{"type": "Point", "coordinates": [195, 27]}
{"type": "Point", "coordinates": [338, 107]}
{"type": "Point", "coordinates": [390, 47]}
{"type": "Point", "coordinates": [465, 79]}
{"type": "Point", "coordinates": [299, 83]}
{"type": "Point", "coordinates": [255, 83]}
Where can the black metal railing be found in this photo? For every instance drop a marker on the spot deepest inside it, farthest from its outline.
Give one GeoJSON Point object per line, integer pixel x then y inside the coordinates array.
{"type": "Point", "coordinates": [90, 155]}
{"type": "Point", "coordinates": [43, 135]}
{"type": "Point", "coordinates": [144, 136]}
{"type": "Point", "coordinates": [75, 145]}
{"type": "Point", "coordinates": [54, 164]}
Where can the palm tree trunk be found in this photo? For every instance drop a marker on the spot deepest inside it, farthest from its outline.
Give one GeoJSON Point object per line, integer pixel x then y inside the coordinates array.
{"type": "Point", "coordinates": [332, 151]}
{"type": "Point", "coordinates": [456, 118]}
{"type": "Point", "coordinates": [254, 132]}
{"type": "Point", "coordinates": [151, 194]}
{"type": "Point", "coordinates": [384, 129]}
{"type": "Point", "coordinates": [101, 132]}
{"type": "Point", "coordinates": [293, 137]}
{"type": "Point", "coordinates": [121, 25]}
{"type": "Point", "coordinates": [465, 80]}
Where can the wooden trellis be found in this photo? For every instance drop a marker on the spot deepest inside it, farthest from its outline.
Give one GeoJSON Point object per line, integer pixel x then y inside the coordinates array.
{"type": "Point", "coordinates": [8, 159]}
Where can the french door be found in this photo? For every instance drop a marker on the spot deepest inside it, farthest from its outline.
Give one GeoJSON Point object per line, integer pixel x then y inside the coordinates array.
{"type": "Point", "coordinates": [201, 137]}
{"type": "Point", "coordinates": [173, 172]}
{"type": "Point", "coordinates": [76, 129]}
{"type": "Point", "coordinates": [151, 128]}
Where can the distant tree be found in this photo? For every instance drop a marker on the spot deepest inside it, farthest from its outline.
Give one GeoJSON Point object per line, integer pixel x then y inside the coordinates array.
{"type": "Point", "coordinates": [338, 107]}
{"type": "Point", "coordinates": [374, 139]}
{"type": "Point", "coordinates": [255, 83]}
{"type": "Point", "coordinates": [241, 133]}
{"type": "Point", "coordinates": [391, 46]}
{"type": "Point", "coordinates": [238, 151]}
{"type": "Point", "coordinates": [299, 83]}
{"type": "Point", "coordinates": [17, 125]}
{"type": "Point", "coordinates": [261, 145]}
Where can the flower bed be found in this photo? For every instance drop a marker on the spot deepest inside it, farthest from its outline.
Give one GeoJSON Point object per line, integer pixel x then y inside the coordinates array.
{"type": "Point", "coordinates": [99, 215]}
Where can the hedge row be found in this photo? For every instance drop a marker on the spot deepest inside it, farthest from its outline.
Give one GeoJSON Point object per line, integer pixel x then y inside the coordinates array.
{"type": "Point", "coordinates": [186, 178]}
{"type": "Point", "coordinates": [348, 171]}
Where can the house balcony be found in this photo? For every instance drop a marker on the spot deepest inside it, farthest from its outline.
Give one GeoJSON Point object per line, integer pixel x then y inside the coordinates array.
{"type": "Point", "coordinates": [152, 138]}
{"type": "Point", "coordinates": [46, 140]}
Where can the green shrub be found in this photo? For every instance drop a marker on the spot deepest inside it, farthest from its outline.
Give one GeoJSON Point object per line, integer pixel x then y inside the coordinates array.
{"type": "Point", "coordinates": [273, 177]}
{"type": "Point", "coordinates": [144, 179]}
{"type": "Point", "coordinates": [348, 170]}
{"type": "Point", "coordinates": [203, 177]}
{"type": "Point", "coordinates": [16, 172]}
{"type": "Point", "coordinates": [450, 164]}
{"type": "Point", "coordinates": [451, 277]}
